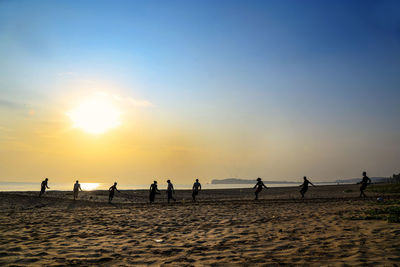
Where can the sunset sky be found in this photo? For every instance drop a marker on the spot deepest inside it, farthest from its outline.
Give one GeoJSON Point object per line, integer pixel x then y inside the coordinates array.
{"type": "Point", "coordinates": [137, 90]}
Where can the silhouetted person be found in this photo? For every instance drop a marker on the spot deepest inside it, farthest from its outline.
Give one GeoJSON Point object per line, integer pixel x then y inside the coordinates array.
{"type": "Point", "coordinates": [43, 187]}
{"type": "Point", "coordinates": [304, 186]}
{"type": "Point", "coordinates": [364, 183]}
{"type": "Point", "coordinates": [259, 186]}
{"type": "Point", "coordinates": [77, 187]}
{"type": "Point", "coordinates": [195, 190]}
{"type": "Point", "coordinates": [153, 191]}
{"type": "Point", "coordinates": [170, 191]}
{"type": "Point", "coordinates": [111, 192]}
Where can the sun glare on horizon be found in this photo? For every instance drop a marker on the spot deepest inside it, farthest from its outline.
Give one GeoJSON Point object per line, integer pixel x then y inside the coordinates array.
{"type": "Point", "coordinates": [89, 186]}
{"type": "Point", "coordinates": [95, 115]}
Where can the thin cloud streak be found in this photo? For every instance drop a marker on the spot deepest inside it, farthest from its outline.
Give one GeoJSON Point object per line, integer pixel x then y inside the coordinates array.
{"type": "Point", "coordinates": [132, 101]}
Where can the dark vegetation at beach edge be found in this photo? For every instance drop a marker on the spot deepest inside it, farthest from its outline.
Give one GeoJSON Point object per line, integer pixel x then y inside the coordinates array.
{"type": "Point", "coordinates": [388, 210]}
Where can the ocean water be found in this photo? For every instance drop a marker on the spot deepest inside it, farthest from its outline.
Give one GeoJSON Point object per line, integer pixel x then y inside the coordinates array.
{"type": "Point", "coordinates": [29, 186]}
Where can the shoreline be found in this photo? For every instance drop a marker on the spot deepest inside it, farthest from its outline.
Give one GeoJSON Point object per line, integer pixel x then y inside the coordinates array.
{"type": "Point", "coordinates": [272, 193]}
{"type": "Point", "coordinates": [26, 187]}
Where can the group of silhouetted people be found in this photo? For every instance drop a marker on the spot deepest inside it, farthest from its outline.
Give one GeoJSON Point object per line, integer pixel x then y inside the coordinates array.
{"type": "Point", "coordinates": [171, 191]}
{"type": "Point", "coordinates": [111, 191]}
{"type": "Point", "coordinates": [44, 186]}
{"type": "Point", "coordinates": [197, 187]}
{"type": "Point", "coordinates": [260, 185]}
{"type": "Point", "coordinates": [304, 186]}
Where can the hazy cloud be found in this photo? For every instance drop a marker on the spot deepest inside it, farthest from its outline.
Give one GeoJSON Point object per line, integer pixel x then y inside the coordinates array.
{"type": "Point", "coordinates": [9, 104]}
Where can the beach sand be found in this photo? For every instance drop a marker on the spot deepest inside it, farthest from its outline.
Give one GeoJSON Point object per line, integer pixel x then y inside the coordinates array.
{"type": "Point", "coordinates": [225, 228]}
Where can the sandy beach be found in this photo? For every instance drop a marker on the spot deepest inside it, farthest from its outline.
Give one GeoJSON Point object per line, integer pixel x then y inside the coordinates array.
{"type": "Point", "coordinates": [224, 228]}
{"type": "Point", "coordinates": [117, 97]}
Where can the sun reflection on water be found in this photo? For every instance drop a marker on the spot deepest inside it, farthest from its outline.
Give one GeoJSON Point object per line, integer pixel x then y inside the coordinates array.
{"type": "Point", "coordinates": [89, 186]}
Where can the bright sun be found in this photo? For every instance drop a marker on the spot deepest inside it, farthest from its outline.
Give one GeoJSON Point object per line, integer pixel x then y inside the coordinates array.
{"type": "Point", "coordinates": [96, 115]}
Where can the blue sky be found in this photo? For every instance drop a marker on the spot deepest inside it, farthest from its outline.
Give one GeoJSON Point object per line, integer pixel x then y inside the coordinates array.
{"type": "Point", "coordinates": [284, 76]}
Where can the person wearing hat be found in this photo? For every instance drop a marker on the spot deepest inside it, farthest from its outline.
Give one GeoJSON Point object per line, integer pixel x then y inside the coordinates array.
{"type": "Point", "coordinates": [170, 191]}
{"type": "Point", "coordinates": [259, 185]}
{"type": "Point", "coordinates": [43, 187]}
{"type": "Point", "coordinates": [153, 191]}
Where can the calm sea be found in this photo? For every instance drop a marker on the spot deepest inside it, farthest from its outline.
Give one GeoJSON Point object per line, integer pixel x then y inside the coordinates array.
{"type": "Point", "coordinates": [22, 186]}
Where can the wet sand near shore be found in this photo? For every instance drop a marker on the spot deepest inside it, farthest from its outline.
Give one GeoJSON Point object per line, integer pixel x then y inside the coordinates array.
{"type": "Point", "coordinates": [225, 228]}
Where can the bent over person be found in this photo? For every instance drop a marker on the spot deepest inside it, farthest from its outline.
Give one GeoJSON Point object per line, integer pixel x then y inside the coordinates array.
{"type": "Point", "coordinates": [43, 187]}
